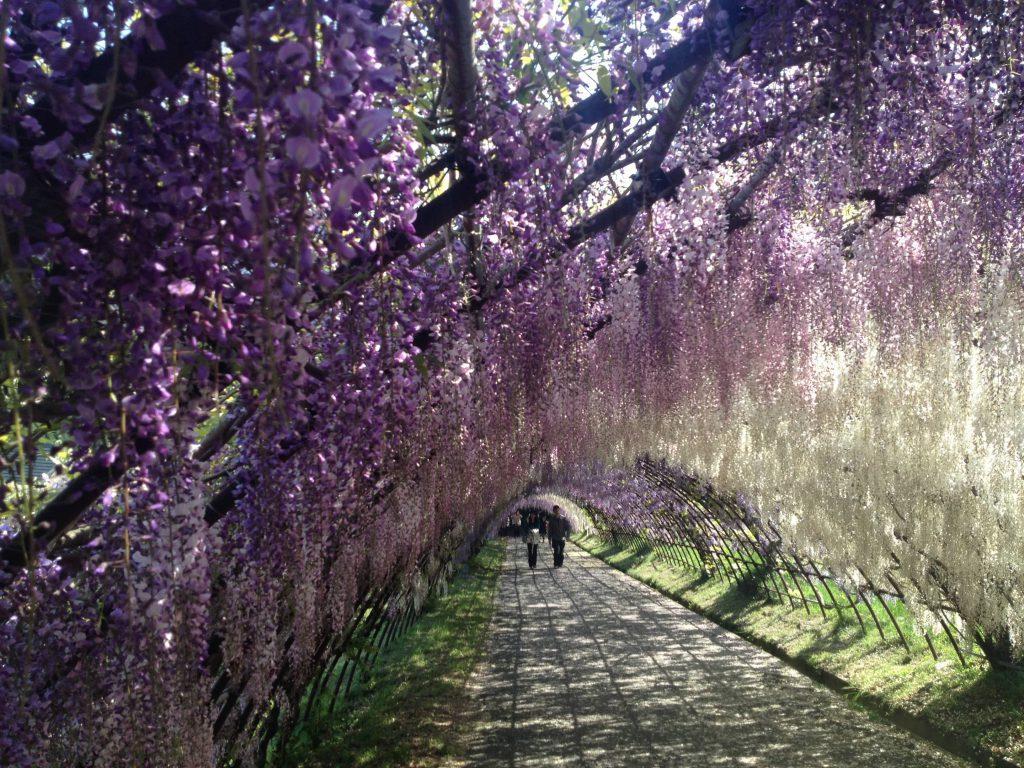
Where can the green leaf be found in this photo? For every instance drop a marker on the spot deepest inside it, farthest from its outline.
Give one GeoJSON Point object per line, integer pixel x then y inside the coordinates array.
{"type": "Point", "coordinates": [421, 365]}
{"type": "Point", "coordinates": [604, 79]}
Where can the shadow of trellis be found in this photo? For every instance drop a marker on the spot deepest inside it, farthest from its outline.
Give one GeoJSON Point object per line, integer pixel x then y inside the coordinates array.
{"type": "Point", "coordinates": [590, 668]}
{"type": "Point", "coordinates": [715, 536]}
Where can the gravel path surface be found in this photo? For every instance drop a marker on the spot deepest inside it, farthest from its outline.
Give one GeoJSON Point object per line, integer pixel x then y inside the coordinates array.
{"type": "Point", "coordinates": [588, 667]}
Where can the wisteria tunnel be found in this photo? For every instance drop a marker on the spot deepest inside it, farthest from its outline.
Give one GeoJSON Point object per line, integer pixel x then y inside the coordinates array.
{"type": "Point", "coordinates": [327, 322]}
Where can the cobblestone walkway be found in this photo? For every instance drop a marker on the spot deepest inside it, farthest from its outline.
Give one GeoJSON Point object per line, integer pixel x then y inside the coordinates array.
{"type": "Point", "coordinates": [588, 667]}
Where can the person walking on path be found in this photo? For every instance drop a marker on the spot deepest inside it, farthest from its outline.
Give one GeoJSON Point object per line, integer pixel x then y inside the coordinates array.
{"type": "Point", "coordinates": [559, 529]}
{"type": "Point", "coordinates": [533, 539]}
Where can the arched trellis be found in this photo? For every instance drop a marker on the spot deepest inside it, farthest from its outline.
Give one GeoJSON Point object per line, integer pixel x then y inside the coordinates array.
{"type": "Point", "coordinates": [65, 114]}
{"type": "Point", "coordinates": [202, 27]}
{"type": "Point", "coordinates": [655, 508]}
{"type": "Point", "coordinates": [382, 613]}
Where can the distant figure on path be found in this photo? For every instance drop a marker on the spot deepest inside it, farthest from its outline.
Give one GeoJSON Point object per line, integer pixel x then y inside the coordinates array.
{"type": "Point", "coordinates": [533, 539]}
{"type": "Point", "coordinates": [559, 529]}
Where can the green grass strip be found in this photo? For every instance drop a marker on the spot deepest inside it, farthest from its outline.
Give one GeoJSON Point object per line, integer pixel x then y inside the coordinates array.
{"type": "Point", "coordinates": [973, 710]}
{"type": "Point", "coordinates": [413, 708]}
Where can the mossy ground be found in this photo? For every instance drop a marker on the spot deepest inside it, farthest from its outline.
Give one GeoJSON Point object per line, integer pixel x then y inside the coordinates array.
{"type": "Point", "coordinates": [413, 708]}
{"type": "Point", "coordinates": [974, 705]}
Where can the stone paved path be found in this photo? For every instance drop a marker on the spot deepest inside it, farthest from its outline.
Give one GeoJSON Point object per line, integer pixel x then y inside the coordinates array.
{"type": "Point", "coordinates": [588, 667]}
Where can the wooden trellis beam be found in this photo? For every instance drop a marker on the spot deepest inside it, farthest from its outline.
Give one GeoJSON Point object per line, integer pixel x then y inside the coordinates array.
{"type": "Point", "coordinates": [684, 90]}
{"type": "Point", "coordinates": [888, 206]}
{"type": "Point", "coordinates": [59, 516]}
{"type": "Point", "coordinates": [479, 182]}
{"type": "Point", "coordinates": [895, 204]}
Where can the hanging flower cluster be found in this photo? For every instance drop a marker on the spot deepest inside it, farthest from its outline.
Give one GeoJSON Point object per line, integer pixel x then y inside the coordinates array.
{"type": "Point", "coordinates": [300, 292]}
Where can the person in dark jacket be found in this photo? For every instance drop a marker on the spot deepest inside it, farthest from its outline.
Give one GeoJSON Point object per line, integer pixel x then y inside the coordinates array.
{"type": "Point", "coordinates": [559, 529]}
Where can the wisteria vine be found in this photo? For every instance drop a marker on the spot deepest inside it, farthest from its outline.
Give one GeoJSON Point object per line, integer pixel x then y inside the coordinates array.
{"type": "Point", "coordinates": [295, 292]}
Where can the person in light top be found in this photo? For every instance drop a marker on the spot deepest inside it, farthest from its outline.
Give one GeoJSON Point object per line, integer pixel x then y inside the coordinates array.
{"type": "Point", "coordinates": [533, 539]}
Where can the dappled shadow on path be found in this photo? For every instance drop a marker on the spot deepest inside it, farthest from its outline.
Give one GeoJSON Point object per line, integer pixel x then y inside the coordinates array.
{"type": "Point", "coordinates": [588, 667]}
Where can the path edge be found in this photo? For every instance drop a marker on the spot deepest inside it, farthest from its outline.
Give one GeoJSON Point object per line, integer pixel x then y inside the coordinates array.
{"type": "Point", "coordinates": [468, 725]}
{"type": "Point", "coordinates": [944, 739]}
